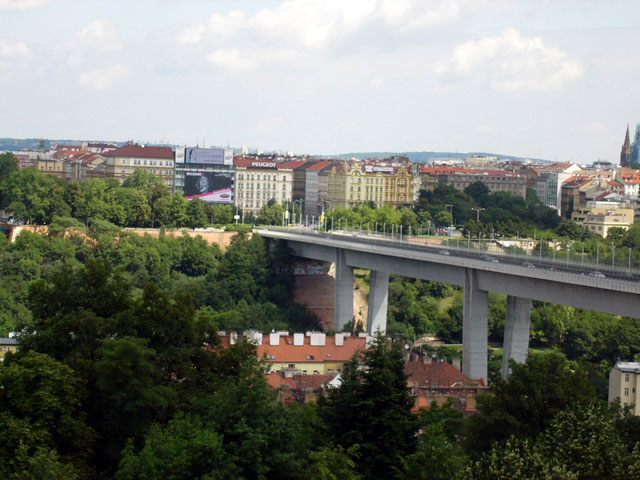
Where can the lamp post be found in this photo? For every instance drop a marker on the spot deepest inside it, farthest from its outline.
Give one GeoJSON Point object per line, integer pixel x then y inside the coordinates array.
{"type": "Point", "coordinates": [613, 256]}
{"type": "Point", "coordinates": [301, 202]}
{"type": "Point", "coordinates": [477, 210]}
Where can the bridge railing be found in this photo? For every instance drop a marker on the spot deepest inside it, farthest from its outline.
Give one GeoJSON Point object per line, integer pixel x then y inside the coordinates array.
{"type": "Point", "coordinates": [615, 260]}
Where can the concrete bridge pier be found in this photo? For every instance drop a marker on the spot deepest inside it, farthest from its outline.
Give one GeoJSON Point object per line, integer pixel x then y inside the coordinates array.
{"type": "Point", "coordinates": [378, 297]}
{"type": "Point", "coordinates": [475, 327]}
{"type": "Point", "coordinates": [343, 311]}
{"type": "Point", "coordinates": [516, 332]}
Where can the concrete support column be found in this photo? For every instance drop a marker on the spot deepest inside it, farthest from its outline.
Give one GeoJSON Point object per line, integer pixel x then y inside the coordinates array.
{"type": "Point", "coordinates": [475, 328]}
{"type": "Point", "coordinates": [516, 332]}
{"type": "Point", "coordinates": [378, 297]}
{"type": "Point", "coordinates": [343, 310]}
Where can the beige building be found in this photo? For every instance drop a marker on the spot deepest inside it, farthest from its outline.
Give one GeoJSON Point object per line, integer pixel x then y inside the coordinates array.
{"type": "Point", "coordinates": [7, 345]}
{"type": "Point", "coordinates": [51, 166]}
{"type": "Point", "coordinates": [623, 385]}
{"type": "Point", "coordinates": [125, 161]}
{"type": "Point", "coordinates": [461, 178]}
{"type": "Point", "coordinates": [257, 181]}
{"type": "Point", "coordinates": [599, 217]}
{"type": "Point", "coordinates": [312, 353]}
{"type": "Point", "coordinates": [383, 183]}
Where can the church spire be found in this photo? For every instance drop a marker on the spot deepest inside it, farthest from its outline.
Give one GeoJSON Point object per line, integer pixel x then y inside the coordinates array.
{"type": "Point", "coordinates": [626, 138]}
{"type": "Point", "coordinates": [625, 154]}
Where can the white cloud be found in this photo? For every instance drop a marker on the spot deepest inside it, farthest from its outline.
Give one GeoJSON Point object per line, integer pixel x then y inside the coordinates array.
{"type": "Point", "coordinates": [232, 58]}
{"type": "Point", "coordinates": [348, 125]}
{"type": "Point", "coordinates": [97, 38]}
{"type": "Point", "coordinates": [303, 28]}
{"type": "Point", "coordinates": [24, 4]}
{"type": "Point", "coordinates": [103, 78]}
{"type": "Point", "coordinates": [270, 124]}
{"type": "Point", "coordinates": [595, 127]}
{"type": "Point", "coordinates": [12, 56]}
{"type": "Point", "coordinates": [511, 62]}
{"type": "Point", "coordinates": [13, 50]}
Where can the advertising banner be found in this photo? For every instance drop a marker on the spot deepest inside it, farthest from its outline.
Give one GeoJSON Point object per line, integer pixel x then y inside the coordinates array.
{"type": "Point", "coordinates": [179, 155]}
{"type": "Point", "coordinates": [210, 156]}
{"type": "Point", "coordinates": [209, 186]}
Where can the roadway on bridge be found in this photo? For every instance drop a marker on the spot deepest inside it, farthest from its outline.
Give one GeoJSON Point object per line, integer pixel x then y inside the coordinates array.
{"type": "Point", "coordinates": [464, 251]}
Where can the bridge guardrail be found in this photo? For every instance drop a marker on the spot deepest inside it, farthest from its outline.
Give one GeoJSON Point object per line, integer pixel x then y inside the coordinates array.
{"type": "Point", "coordinates": [459, 248]}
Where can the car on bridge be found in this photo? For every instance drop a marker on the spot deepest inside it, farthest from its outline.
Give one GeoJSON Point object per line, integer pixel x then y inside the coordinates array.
{"type": "Point", "coordinates": [489, 258]}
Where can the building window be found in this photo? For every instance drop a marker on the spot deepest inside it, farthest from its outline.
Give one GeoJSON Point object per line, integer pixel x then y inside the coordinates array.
{"type": "Point", "coordinates": [626, 377]}
{"type": "Point", "coordinates": [626, 392]}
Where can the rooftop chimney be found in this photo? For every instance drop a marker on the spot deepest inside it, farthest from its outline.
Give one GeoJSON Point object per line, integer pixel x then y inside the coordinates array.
{"type": "Point", "coordinates": [298, 339]}
{"type": "Point", "coordinates": [274, 339]}
{"type": "Point", "coordinates": [456, 362]}
{"type": "Point", "coordinates": [318, 339]}
{"type": "Point", "coordinates": [339, 339]}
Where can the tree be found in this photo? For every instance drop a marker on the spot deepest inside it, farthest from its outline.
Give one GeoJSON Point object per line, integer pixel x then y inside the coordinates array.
{"type": "Point", "coordinates": [33, 196]}
{"type": "Point", "coordinates": [581, 443]}
{"type": "Point", "coordinates": [437, 457]}
{"type": "Point", "coordinates": [270, 214]}
{"type": "Point", "coordinates": [8, 163]}
{"type": "Point", "coordinates": [443, 219]}
{"type": "Point", "coordinates": [334, 464]}
{"type": "Point", "coordinates": [40, 403]}
{"type": "Point", "coordinates": [196, 214]}
{"type": "Point", "coordinates": [129, 391]}
{"type": "Point", "coordinates": [479, 192]}
{"type": "Point", "coordinates": [235, 431]}
{"type": "Point", "coordinates": [527, 402]}
{"type": "Point", "coordinates": [372, 408]}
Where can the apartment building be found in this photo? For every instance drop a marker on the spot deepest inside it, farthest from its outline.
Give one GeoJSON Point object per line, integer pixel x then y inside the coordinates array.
{"type": "Point", "coordinates": [7, 345]}
{"type": "Point", "coordinates": [125, 161]}
{"type": "Point", "coordinates": [550, 179]}
{"type": "Point", "coordinates": [310, 187]}
{"type": "Point", "coordinates": [259, 180]}
{"type": "Point", "coordinates": [460, 178]}
{"type": "Point", "coordinates": [623, 385]}
{"type": "Point", "coordinates": [308, 353]}
{"type": "Point", "coordinates": [599, 217]}
{"type": "Point", "coordinates": [394, 183]}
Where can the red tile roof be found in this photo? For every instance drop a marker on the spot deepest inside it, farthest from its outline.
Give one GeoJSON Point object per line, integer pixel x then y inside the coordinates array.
{"type": "Point", "coordinates": [138, 151]}
{"type": "Point", "coordinates": [317, 166]}
{"type": "Point", "coordinates": [440, 374]}
{"type": "Point", "coordinates": [287, 352]}
{"type": "Point", "coordinates": [444, 170]}
{"type": "Point", "coordinates": [298, 382]}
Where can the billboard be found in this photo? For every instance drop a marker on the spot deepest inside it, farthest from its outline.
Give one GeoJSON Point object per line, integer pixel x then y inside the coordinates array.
{"type": "Point", "coordinates": [209, 186]}
{"type": "Point", "coordinates": [180, 155]}
{"type": "Point", "coordinates": [209, 156]}
{"type": "Point", "coordinates": [374, 169]}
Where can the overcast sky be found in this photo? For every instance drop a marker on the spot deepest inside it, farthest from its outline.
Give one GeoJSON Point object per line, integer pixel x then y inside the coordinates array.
{"type": "Point", "coordinates": [556, 79]}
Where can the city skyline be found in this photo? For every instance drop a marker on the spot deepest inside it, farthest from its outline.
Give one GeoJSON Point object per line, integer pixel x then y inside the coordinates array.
{"type": "Point", "coordinates": [549, 80]}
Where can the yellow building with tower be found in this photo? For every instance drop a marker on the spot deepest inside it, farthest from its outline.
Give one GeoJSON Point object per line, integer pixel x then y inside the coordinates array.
{"type": "Point", "coordinates": [392, 182]}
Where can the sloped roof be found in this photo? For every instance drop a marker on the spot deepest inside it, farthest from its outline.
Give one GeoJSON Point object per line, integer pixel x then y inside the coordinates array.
{"type": "Point", "coordinates": [298, 382]}
{"type": "Point", "coordinates": [442, 374]}
{"type": "Point", "coordinates": [287, 352]}
{"type": "Point", "coordinates": [138, 151]}
{"type": "Point", "coordinates": [629, 367]}
{"type": "Point", "coordinates": [468, 171]}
